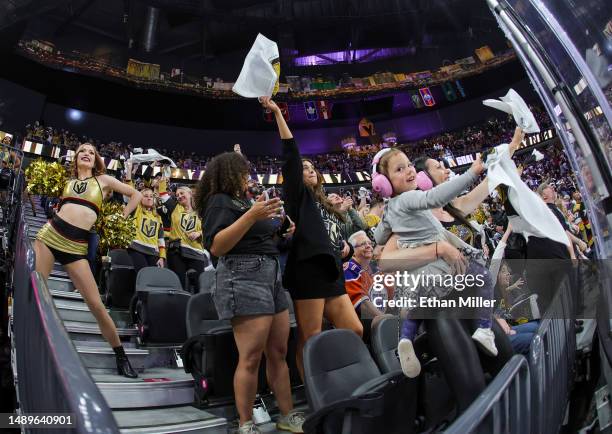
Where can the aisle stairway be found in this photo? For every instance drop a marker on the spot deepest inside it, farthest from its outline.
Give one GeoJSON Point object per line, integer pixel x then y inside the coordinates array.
{"type": "Point", "coordinates": [159, 401]}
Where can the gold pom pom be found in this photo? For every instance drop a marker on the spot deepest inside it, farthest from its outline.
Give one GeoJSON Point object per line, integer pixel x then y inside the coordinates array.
{"type": "Point", "coordinates": [115, 231]}
{"type": "Point", "coordinates": [46, 179]}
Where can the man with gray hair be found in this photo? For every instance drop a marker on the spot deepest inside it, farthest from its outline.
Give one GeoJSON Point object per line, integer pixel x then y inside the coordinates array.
{"type": "Point", "coordinates": [549, 195]}
{"type": "Point", "coordinates": [358, 276]}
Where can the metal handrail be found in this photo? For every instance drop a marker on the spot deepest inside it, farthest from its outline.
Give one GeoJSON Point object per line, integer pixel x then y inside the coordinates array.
{"type": "Point", "coordinates": [504, 406]}
{"type": "Point", "coordinates": [36, 321]}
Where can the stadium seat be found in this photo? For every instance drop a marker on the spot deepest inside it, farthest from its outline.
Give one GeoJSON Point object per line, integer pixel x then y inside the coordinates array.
{"type": "Point", "coordinates": [159, 306]}
{"type": "Point", "coordinates": [347, 393]}
{"type": "Point", "coordinates": [118, 280]}
{"type": "Point", "coordinates": [206, 280]}
{"type": "Point", "coordinates": [210, 353]}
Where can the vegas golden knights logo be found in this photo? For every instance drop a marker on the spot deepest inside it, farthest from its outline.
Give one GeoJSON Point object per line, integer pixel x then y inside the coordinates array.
{"type": "Point", "coordinates": [188, 222]}
{"type": "Point", "coordinates": [148, 227]}
{"type": "Point", "coordinates": [79, 187]}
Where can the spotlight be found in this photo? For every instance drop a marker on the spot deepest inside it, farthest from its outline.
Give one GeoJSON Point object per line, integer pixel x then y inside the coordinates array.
{"type": "Point", "coordinates": [74, 115]}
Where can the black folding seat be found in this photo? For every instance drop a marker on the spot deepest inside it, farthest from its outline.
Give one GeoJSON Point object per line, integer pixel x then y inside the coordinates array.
{"type": "Point", "coordinates": [210, 353]}
{"type": "Point", "coordinates": [206, 280]}
{"type": "Point", "coordinates": [159, 306]}
{"type": "Point", "coordinates": [118, 279]}
{"type": "Point", "coordinates": [347, 393]}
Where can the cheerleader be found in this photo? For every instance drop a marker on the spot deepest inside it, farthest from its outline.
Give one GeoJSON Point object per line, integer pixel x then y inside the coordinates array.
{"type": "Point", "coordinates": [65, 237]}
{"type": "Point", "coordinates": [183, 229]}
{"type": "Point", "coordinates": [148, 249]}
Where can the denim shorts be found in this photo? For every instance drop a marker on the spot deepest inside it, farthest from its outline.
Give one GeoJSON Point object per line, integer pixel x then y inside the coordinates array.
{"type": "Point", "coordinates": [247, 285]}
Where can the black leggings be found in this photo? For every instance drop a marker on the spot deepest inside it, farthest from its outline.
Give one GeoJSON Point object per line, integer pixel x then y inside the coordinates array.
{"type": "Point", "coordinates": [141, 260]}
{"type": "Point", "coordinates": [180, 265]}
{"type": "Point", "coordinates": [547, 264]}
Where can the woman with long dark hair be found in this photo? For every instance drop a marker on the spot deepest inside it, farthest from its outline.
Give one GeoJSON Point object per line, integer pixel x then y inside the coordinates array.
{"type": "Point", "coordinates": [65, 237]}
{"type": "Point", "coordinates": [247, 288]}
{"type": "Point", "coordinates": [313, 274]}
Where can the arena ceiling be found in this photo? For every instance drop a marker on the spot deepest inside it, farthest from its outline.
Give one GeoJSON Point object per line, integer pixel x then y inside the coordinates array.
{"type": "Point", "coordinates": [169, 31]}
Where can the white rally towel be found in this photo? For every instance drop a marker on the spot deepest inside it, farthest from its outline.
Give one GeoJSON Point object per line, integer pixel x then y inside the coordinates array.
{"type": "Point", "coordinates": [513, 104]}
{"type": "Point", "coordinates": [151, 155]}
{"type": "Point", "coordinates": [538, 155]}
{"type": "Point", "coordinates": [535, 216]}
{"type": "Point", "coordinates": [260, 71]}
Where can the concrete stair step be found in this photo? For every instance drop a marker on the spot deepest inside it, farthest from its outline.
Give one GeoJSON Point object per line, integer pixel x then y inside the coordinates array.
{"type": "Point", "coordinates": [69, 295]}
{"type": "Point", "coordinates": [74, 310]}
{"type": "Point", "coordinates": [154, 388]}
{"type": "Point", "coordinates": [60, 284]}
{"type": "Point", "coordinates": [169, 420]}
{"type": "Point", "coordinates": [103, 357]}
{"type": "Point", "coordinates": [90, 332]}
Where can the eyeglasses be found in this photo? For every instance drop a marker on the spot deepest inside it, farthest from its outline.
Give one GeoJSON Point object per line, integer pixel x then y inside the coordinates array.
{"type": "Point", "coordinates": [365, 243]}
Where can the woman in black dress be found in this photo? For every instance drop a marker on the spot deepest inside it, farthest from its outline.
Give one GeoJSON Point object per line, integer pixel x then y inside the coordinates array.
{"type": "Point", "coordinates": [313, 273]}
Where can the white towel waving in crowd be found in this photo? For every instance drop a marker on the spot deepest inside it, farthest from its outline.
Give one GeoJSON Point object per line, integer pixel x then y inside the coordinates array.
{"type": "Point", "coordinates": [260, 71]}
{"type": "Point", "coordinates": [534, 217]}
{"type": "Point", "coordinates": [513, 104]}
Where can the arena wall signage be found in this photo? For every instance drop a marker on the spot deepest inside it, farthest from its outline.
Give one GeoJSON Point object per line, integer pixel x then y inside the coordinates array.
{"type": "Point", "coordinates": [531, 140]}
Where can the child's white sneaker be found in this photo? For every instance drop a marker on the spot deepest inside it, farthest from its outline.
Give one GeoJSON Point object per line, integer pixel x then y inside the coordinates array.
{"type": "Point", "coordinates": [411, 367]}
{"type": "Point", "coordinates": [486, 339]}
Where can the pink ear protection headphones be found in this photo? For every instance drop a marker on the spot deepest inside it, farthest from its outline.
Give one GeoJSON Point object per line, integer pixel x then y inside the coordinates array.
{"type": "Point", "coordinates": [380, 183]}
{"type": "Point", "coordinates": [423, 181]}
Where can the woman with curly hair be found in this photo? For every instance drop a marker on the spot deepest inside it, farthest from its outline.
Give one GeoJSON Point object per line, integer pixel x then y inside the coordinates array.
{"type": "Point", "coordinates": [313, 273]}
{"type": "Point", "coordinates": [247, 288]}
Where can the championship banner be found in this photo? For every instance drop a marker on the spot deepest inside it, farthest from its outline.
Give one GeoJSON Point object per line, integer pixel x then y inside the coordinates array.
{"type": "Point", "coordinates": [416, 99]}
{"type": "Point", "coordinates": [428, 98]}
{"type": "Point", "coordinates": [311, 110]}
{"type": "Point", "coordinates": [484, 54]}
{"type": "Point", "coordinates": [466, 61]}
{"type": "Point", "coordinates": [460, 88]}
{"type": "Point", "coordinates": [324, 109]}
{"type": "Point", "coordinates": [449, 91]}
{"type": "Point", "coordinates": [143, 70]}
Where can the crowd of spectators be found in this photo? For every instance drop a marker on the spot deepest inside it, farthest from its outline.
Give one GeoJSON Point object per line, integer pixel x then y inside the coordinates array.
{"type": "Point", "coordinates": [446, 145]}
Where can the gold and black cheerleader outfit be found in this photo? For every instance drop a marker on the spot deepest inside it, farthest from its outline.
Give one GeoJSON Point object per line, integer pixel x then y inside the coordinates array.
{"type": "Point", "coordinates": [67, 242]}
{"type": "Point", "coordinates": [149, 244]}
{"type": "Point", "coordinates": [183, 253]}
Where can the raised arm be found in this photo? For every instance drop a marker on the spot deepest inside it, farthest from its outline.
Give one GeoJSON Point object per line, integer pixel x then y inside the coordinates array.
{"type": "Point", "coordinates": [469, 202]}
{"type": "Point", "coordinates": [293, 178]}
{"type": "Point", "coordinates": [441, 194]}
{"type": "Point", "coordinates": [283, 129]}
{"type": "Point", "coordinates": [126, 190]}
{"type": "Point", "coordinates": [517, 139]}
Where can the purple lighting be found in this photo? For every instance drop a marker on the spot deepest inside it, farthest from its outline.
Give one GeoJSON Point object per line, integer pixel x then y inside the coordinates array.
{"type": "Point", "coordinates": [352, 56]}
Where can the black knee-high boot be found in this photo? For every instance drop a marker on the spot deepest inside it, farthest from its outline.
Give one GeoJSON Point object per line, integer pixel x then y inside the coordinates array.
{"type": "Point", "coordinates": [123, 364]}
